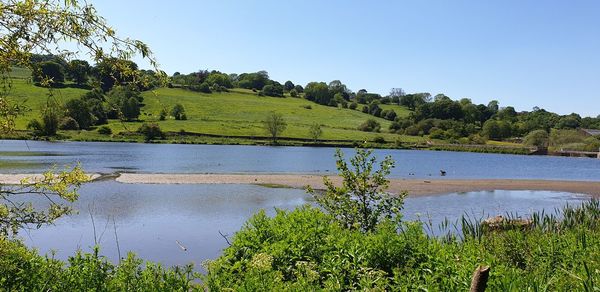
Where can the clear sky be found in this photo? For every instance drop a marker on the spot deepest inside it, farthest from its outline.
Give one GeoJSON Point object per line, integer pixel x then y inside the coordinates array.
{"type": "Point", "coordinates": [523, 53]}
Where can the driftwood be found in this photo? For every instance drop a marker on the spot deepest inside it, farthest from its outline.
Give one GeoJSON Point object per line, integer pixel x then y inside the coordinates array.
{"type": "Point", "coordinates": [480, 278]}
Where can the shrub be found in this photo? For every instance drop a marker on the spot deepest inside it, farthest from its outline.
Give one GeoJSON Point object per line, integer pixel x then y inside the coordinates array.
{"type": "Point", "coordinates": [104, 130]}
{"type": "Point", "coordinates": [293, 93]}
{"type": "Point", "coordinates": [178, 112]}
{"type": "Point", "coordinates": [162, 115]}
{"type": "Point", "coordinates": [538, 138]}
{"type": "Point", "coordinates": [68, 123]}
{"type": "Point", "coordinates": [307, 106]}
{"type": "Point", "coordinates": [203, 87]}
{"type": "Point", "coordinates": [151, 131]}
{"type": "Point", "coordinates": [24, 269]}
{"type": "Point", "coordinates": [353, 105]}
{"type": "Point", "coordinates": [370, 125]}
{"type": "Point", "coordinates": [379, 139]}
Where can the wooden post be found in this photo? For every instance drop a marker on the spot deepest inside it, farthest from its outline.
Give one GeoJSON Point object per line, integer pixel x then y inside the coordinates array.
{"type": "Point", "coordinates": [598, 154]}
{"type": "Point", "coordinates": [480, 278]}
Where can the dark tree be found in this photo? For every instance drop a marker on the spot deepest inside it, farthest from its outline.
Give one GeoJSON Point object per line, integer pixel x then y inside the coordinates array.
{"type": "Point", "coordinates": [49, 72]}
{"type": "Point", "coordinates": [79, 110]}
{"type": "Point", "coordinates": [79, 71]}
{"type": "Point", "coordinates": [288, 86]}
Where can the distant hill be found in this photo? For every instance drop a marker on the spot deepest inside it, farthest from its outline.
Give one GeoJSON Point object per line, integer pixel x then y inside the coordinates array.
{"type": "Point", "coordinates": [239, 112]}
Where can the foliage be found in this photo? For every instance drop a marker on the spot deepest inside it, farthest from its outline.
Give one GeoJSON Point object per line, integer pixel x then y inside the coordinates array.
{"type": "Point", "coordinates": [272, 90]}
{"type": "Point", "coordinates": [58, 187]}
{"type": "Point", "coordinates": [78, 71]}
{"type": "Point", "coordinates": [151, 131]}
{"type": "Point", "coordinates": [68, 123]}
{"type": "Point", "coordinates": [43, 26]}
{"type": "Point", "coordinates": [79, 110]}
{"type": "Point", "coordinates": [274, 124]}
{"type": "Point", "coordinates": [318, 92]}
{"type": "Point", "coordinates": [178, 112]}
{"type": "Point", "coordinates": [315, 131]}
{"type": "Point", "coordinates": [370, 125]}
{"type": "Point", "coordinates": [49, 73]}
{"type": "Point", "coordinates": [22, 269]}
{"type": "Point", "coordinates": [308, 250]}
{"type": "Point", "coordinates": [104, 130]}
{"type": "Point", "coordinates": [124, 103]}
{"type": "Point", "coordinates": [362, 201]}
{"type": "Point", "coordinates": [538, 138]}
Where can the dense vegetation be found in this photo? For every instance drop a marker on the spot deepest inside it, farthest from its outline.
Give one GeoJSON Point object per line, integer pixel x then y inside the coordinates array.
{"type": "Point", "coordinates": [308, 250]}
{"type": "Point", "coordinates": [357, 241]}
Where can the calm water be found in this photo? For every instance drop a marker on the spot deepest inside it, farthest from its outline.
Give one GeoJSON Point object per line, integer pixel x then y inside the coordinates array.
{"type": "Point", "coordinates": [36, 156]}
{"type": "Point", "coordinates": [150, 219]}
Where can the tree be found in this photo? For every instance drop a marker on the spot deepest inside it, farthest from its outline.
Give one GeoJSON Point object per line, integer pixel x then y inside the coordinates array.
{"type": "Point", "coordinates": [275, 90]}
{"type": "Point", "coordinates": [274, 125]}
{"type": "Point", "coordinates": [124, 103]}
{"type": "Point", "coordinates": [538, 138]}
{"type": "Point", "coordinates": [44, 26]}
{"type": "Point", "coordinates": [315, 131]}
{"type": "Point", "coordinates": [58, 187]}
{"type": "Point", "coordinates": [288, 85]}
{"type": "Point", "coordinates": [49, 74]}
{"type": "Point", "coordinates": [78, 71]}
{"type": "Point", "coordinates": [362, 201]}
{"type": "Point", "coordinates": [80, 111]}
{"type": "Point", "coordinates": [318, 92]}
{"type": "Point", "coordinates": [151, 131]}
{"type": "Point", "coordinates": [370, 125]}
{"type": "Point", "coordinates": [221, 79]}
{"type": "Point", "coordinates": [178, 112]}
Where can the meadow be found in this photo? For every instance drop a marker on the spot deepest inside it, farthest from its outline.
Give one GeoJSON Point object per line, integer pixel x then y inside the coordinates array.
{"type": "Point", "coordinates": [235, 115]}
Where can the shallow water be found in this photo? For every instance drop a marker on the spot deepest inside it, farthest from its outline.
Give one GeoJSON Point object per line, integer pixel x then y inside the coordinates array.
{"type": "Point", "coordinates": [172, 158]}
{"type": "Point", "coordinates": [151, 219]}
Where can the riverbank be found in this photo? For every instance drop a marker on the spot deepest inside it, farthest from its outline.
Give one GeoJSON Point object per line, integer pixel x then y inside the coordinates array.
{"type": "Point", "coordinates": [415, 187]}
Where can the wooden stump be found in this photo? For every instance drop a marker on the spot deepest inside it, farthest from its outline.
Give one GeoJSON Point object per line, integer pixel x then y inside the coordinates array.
{"type": "Point", "coordinates": [480, 278]}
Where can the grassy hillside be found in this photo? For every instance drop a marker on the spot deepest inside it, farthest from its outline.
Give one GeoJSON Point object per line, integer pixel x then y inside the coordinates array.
{"type": "Point", "coordinates": [236, 113]}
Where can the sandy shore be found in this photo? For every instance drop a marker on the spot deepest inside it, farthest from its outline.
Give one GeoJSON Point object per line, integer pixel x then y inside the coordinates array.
{"type": "Point", "coordinates": [414, 187]}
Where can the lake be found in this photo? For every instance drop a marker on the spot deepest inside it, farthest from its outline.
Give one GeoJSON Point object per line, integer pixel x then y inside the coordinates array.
{"type": "Point", "coordinates": [37, 156]}
{"type": "Point", "coordinates": [154, 220]}
{"type": "Point", "coordinates": [150, 220]}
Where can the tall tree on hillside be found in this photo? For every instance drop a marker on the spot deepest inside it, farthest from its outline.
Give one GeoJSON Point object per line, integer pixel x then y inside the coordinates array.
{"type": "Point", "coordinates": [78, 71]}
{"type": "Point", "coordinates": [49, 73]}
{"type": "Point", "coordinates": [274, 125]}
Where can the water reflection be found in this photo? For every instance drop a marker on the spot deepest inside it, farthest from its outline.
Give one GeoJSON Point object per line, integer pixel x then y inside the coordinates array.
{"type": "Point", "coordinates": [149, 219]}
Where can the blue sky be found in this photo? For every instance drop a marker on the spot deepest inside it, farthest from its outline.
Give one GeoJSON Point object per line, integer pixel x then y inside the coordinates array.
{"type": "Point", "coordinates": [523, 53]}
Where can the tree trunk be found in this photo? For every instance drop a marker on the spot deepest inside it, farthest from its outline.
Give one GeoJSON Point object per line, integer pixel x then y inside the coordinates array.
{"type": "Point", "coordinates": [480, 278]}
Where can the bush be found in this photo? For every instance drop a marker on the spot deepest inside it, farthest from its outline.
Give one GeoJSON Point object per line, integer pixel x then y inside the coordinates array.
{"type": "Point", "coordinates": [379, 139]}
{"type": "Point", "coordinates": [68, 123]}
{"type": "Point", "coordinates": [151, 131]}
{"type": "Point", "coordinates": [293, 93]}
{"type": "Point", "coordinates": [538, 138]}
{"type": "Point", "coordinates": [203, 87]}
{"type": "Point", "coordinates": [25, 270]}
{"type": "Point", "coordinates": [353, 105]}
{"type": "Point", "coordinates": [370, 125]}
{"type": "Point", "coordinates": [104, 130]}
{"type": "Point", "coordinates": [178, 112]}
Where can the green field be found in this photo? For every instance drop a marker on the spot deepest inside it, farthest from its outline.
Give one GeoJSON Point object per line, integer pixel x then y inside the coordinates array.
{"type": "Point", "coordinates": [236, 113]}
